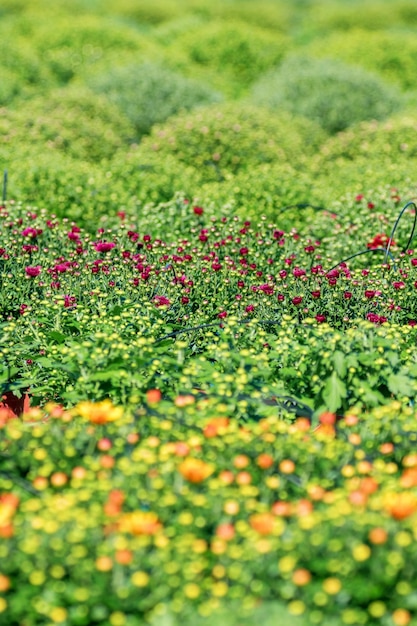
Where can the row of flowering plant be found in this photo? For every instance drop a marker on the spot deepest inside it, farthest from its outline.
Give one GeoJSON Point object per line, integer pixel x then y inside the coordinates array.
{"type": "Point", "coordinates": [92, 315]}
{"type": "Point", "coordinates": [110, 516]}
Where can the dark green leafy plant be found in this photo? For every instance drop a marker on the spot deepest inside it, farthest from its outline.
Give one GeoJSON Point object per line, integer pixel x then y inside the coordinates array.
{"type": "Point", "coordinates": [148, 94]}
{"type": "Point", "coordinates": [390, 54]}
{"type": "Point", "coordinates": [329, 92]}
{"type": "Point", "coordinates": [231, 55]}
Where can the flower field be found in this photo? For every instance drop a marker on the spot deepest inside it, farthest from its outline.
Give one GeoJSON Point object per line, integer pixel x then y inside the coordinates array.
{"type": "Point", "coordinates": [208, 313]}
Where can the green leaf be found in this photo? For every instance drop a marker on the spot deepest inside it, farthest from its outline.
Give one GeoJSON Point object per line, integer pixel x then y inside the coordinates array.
{"type": "Point", "coordinates": [339, 363]}
{"type": "Point", "coordinates": [7, 374]}
{"type": "Point", "coordinates": [333, 392]}
{"type": "Point", "coordinates": [400, 385]}
{"type": "Point", "coordinates": [287, 372]}
{"type": "Point", "coordinates": [57, 336]}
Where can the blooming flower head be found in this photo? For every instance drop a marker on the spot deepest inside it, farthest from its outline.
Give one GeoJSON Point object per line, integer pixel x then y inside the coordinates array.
{"type": "Point", "coordinates": [195, 470]}
{"type": "Point", "coordinates": [216, 426]}
{"type": "Point", "coordinates": [379, 241]}
{"type": "Point", "coordinates": [69, 301]}
{"type": "Point", "coordinates": [31, 232]}
{"type": "Point", "coordinates": [8, 505]}
{"type": "Point", "coordinates": [263, 523]}
{"type": "Point", "coordinates": [103, 246]}
{"type": "Point", "coordinates": [161, 301]}
{"type": "Point", "coordinates": [33, 271]}
{"type": "Point", "coordinates": [98, 412]}
{"type": "Point", "coordinates": [140, 523]}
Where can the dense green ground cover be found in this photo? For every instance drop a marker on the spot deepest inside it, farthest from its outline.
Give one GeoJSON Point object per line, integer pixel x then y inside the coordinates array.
{"type": "Point", "coordinates": [208, 293]}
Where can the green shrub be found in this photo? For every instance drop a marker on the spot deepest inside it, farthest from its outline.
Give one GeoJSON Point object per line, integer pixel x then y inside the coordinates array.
{"type": "Point", "coordinates": [393, 55]}
{"type": "Point", "coordinates": [85, 192]}
{"type": "Point", "coordinates": [85, 44]}
{"type": "Point", "coordinates": [395, 138]}
{"type": "Point", "coordinates": [340, 179]}
{"type": "Point", "coordinates": [223, 139]}
{"type": "Point", "coordinates": [8, 7]}
{"type": "Point", "coordinates": [72, 120]}
{"type": "Point", "coordinates": [149, 93]}
{"type": "Point", "coordinates": [367, 156]}
{"type": "Point", "coordinates": [331, 93]}
{"type": "Point", "coordinates": [66, 187]}
{"type": "Point", "coordinates": [10, 86]}
{"type": "Point", "coordinates": [231, 54]}
{"type": "Point", "coordinates": [21, 68]}
{"type": "Point", "coordinates": [150, 177]}
{"type": "Point", "coordinates": [274, 16]}
{"type": "Point", "coordinates": [373, 15]}
{"type": "Point", "coordinates": [262, 190]}
{"type": "Point", "coordinates": [149, 12]}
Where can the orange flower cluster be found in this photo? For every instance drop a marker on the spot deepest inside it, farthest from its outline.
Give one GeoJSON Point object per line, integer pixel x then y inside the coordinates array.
{"type": "Point", "coordinates": [98, 412]}
{"type": "Point", "coordinates": [8, 505]}
{"type": "Point", "coordinates": [140, 523]}
{"type": "Point", "coordinates": [216, 426]}
{"type": "Point", "coordinates": [195, 470]}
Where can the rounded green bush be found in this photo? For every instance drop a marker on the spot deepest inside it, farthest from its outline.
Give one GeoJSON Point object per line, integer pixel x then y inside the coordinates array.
{"type": "Point", "coordinates": [74, 121]}
{"type": "Point", "coordinates": [145, 12]}
{"type": "Point", "coordinates": [341, 178]}
{"type": "Point", "coordinates": [67, 187]}
{"type": "Point", "coordinates": [231, 54]}
{"type": "Point", "coordinates": [88, 193]}
{"type": "Point", "coordinates": [21, 68]}
{"type": "Point", "coordinates": [372, 15]}
{"type": "Point", "coordinates": [393, 55]}
{"type": "Point", "coordinates": [273, 15]}
{"type": "Point", "coordinates": [263, 190]}
{"type": "Point", "coordinates": [327, 91]}
{"type": "Point", "coordinates": [87, 44]}
{"type": "Point", "coordinates": [224, 139]}
{"type": "Point", "coordinates": [395, 138]}
{"type": "Point", "coordinates": [150, 93]}
{"type": "Point", "coordinates": [151, 177]}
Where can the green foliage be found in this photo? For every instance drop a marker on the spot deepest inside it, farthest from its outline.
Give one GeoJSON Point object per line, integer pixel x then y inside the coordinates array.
{"type": "Point", "coordinates": [358, 367]}
{"type": "Point", "coordinates": [224, 139]}
{"type": "Point", "coordinates": [67, 187]}
{"type": "Point", "coordinates": [264, 190]}
{"type": "Point", "coordinates": [12, 7]}
{"type": "Point", "coordinates": [231, 55]}
{"type": "Point", "coordinates": [273, 15]}
{"type": "Point", "coordinates": [392, 55]}
{"type": "Point", "coordinates": [372, 15]}
{"type": "Point", "coordinates": [86, 44]}
{"type": "Point", "coordinates": [138, 514]}
{"type": "Point", "coordinates": [74, 121]}
{"type": "Point", "coordinates": [395, 138]}
{"type": "Point", "coordinates": [146, 12]}
{"type": "Point", "coordinates": [187, 278]}
{"type": "Point", "coordinates": [21, 68]}
{"type": "Point", "coordinates": [327, 91]}
{"type": "Point", "coordinates": [148, 93]}
{"type": "Point", "coordinates": [83, 191]}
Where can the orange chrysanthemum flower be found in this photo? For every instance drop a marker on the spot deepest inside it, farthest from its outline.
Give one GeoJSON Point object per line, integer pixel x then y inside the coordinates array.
{"type": "Point", "coordinates": [140, 523]}
{"type": "Point", "coordinates": [99, 412]}
{"type": "Point", "coordinates": [195, 470]}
